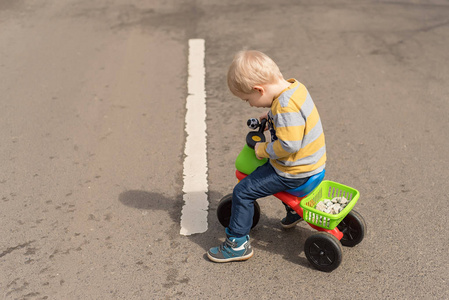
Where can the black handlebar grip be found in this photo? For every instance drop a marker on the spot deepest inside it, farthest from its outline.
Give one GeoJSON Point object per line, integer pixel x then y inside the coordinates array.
{"type": "Point", "coordinates": [262, 125]}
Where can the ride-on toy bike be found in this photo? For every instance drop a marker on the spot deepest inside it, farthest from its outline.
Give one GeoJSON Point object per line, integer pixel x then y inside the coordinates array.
{"type": "Point", "coordinates": [323, 249]}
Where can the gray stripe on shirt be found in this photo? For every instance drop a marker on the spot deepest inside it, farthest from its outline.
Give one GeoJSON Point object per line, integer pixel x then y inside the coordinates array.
{"type": "Point", "coordinates": [284, 98]}
{"type": "Point", "coordinates": [271, 152]}
{"type": "Point", "coordinates": [308, 160]}
{"type": "Point", "coordinates": [291, 146]}
{"type": "Point", "coordinates": [307, 106]}
{"type": "Point", "coordinates": [313, 134]}
{"type": "Point", "coordinates": [289, 119]}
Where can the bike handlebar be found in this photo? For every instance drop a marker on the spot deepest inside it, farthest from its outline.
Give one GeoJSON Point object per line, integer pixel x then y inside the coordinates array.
{"type": "Point", "coordinates": [254, 137]}
{"type": "Point", "coordinates": [254, 123]}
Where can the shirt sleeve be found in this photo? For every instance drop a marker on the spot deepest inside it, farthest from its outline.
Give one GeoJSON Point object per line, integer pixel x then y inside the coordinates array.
{"type": "Point", "coordinates": [289, 126]}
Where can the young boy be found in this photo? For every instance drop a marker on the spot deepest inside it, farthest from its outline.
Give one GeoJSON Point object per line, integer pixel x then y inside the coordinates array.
{"type": "Point", "coordinates": [296, 151]}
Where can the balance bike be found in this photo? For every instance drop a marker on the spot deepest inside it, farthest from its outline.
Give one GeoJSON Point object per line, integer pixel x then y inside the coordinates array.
{"type": "Point", "coordinates": [323, 249]}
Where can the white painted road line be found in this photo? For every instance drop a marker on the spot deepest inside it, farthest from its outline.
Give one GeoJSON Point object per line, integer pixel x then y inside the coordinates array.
{"type": "Point", "coordinates": [194, 211]}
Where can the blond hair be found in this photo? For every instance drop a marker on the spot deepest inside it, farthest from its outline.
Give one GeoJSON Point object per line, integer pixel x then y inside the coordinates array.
{"type": "Point", "coordinates": [250, 68]}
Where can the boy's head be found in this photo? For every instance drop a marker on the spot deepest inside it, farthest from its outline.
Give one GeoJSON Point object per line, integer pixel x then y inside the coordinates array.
{"type": "Point", "coordinates": [249, 69]}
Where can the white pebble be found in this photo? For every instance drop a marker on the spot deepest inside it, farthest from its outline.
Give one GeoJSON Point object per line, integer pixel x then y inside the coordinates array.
{"type": "Point", "coordinates": [341, 200]}
{"type": "Point", "coordinates": [327, 202]}
{"type": "Point", "coordinates": [320, 206]}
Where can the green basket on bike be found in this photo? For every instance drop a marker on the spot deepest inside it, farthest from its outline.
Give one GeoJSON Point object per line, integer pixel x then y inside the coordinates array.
{"type": "Point", "coordinates": [328, 190]}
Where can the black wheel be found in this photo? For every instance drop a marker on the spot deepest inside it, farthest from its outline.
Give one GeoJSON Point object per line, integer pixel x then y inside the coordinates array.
{"type": "Point", "coordinates": [353, 228]}
{"type": "Point", "coordinates": [323, 251]}
{"type": "Point", "coordinates": [224, 211]}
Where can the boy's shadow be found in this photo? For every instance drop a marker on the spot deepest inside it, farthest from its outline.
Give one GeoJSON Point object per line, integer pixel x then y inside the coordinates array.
{"type": "Point", "coordinates": [267, 235]}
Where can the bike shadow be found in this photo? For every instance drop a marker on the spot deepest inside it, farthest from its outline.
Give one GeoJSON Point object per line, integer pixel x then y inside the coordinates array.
{"type": "Point", "coordinates": [267, 236]}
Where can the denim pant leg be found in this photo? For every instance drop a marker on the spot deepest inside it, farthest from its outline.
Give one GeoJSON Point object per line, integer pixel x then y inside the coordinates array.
{"type": "Point", "coordinates": [264, 181]}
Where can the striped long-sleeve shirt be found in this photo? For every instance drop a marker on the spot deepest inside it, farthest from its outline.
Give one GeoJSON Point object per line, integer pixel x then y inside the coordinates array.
{"type": "Point", "coordinates": [297, 149]}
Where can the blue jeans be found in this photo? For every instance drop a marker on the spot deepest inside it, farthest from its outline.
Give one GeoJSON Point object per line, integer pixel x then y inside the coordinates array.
{"type": "Point", "coordinates": [264, 181]}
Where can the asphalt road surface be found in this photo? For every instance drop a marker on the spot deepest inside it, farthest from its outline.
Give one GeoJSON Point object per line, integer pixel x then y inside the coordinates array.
{"type": "Point", "coordinates": [92, 107]}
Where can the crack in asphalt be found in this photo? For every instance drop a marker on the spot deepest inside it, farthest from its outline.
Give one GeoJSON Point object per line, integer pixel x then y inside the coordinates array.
{"type": "Point", "coordinates": [11, 249]}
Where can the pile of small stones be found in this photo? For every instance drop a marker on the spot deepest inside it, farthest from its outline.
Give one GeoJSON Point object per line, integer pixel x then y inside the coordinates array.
{"type": "Point", "coordinates": [334, 206]}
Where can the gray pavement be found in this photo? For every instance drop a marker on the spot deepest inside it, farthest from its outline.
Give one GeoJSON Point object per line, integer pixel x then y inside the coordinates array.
{"type": "Point", "coordinates": [92, 112]}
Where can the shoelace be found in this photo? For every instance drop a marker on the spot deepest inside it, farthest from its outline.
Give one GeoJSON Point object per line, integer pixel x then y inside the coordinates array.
{"type": "Point", "coordinates": [229, 244]}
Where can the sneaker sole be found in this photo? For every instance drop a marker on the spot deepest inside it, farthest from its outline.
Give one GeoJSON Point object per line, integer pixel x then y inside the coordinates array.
{"type": "Point", "coordinates": [225, 260]}
{"type": "Point", "coordinates": [291, 225]}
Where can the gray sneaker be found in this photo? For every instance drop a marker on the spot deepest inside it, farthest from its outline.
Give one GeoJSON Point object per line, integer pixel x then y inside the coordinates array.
{"type": "Point", "coordinates": [233, 249]}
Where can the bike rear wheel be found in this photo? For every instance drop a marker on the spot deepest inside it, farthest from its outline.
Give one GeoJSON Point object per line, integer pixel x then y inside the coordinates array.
{"type": "Point", "coordinates": [353, 227]}
{"type": "Point", "coordinates": [225, 207]}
